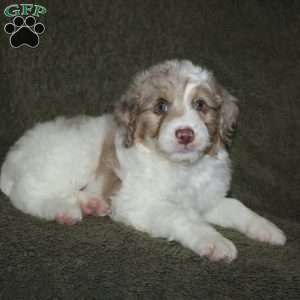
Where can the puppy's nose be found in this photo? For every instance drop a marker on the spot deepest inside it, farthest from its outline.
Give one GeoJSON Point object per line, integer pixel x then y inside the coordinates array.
{"type": "Point", "coordinates": [185, 135]}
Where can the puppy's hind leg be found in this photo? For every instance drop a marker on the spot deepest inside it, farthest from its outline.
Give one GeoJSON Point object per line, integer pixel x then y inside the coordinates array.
{"type": "Point", "coordinates": [92, 204]}
{"type": "Point", "coordinates": [87, 204]}
{"type": "Point", "coordinates": [32, 198]}
{"type": "Point", "coordinates": [68, 207]}
{"type": "Point", "coordinates": [69, 215]}
{"type": "Point", "coordinates": [93, 198]}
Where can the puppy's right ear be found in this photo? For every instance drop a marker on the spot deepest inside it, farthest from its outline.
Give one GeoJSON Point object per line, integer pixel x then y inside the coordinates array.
{"type": "Point", "coordinates": [229, 114]}
{"type": "Point", "coordinates": [125, 113]}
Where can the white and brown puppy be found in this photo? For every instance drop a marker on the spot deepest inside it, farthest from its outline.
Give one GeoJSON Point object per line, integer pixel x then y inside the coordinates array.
{"type": "Point", "coordinates": [162, 164]}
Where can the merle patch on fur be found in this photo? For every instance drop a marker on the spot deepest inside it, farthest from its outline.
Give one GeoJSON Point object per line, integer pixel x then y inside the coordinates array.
{"type": "Point", "coordinates": [24, 32]}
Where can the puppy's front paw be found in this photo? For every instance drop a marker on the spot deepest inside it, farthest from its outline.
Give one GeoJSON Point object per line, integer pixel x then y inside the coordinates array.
{"type": "Point", "coordinates": [264, 231]}
{"type": "Point", "coordinates": [217, 248]}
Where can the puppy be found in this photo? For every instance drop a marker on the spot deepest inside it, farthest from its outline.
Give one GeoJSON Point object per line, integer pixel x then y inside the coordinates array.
{"type": "Point", "coordinates": [160, 165]}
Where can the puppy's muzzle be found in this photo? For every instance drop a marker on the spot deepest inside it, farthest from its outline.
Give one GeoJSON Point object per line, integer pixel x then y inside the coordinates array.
{"type": "Point", "coordinates": [185, 135]}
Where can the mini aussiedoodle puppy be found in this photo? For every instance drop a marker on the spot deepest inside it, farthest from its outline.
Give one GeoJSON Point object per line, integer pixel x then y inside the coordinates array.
{"type": "Point", "coordinates": [159, 164]}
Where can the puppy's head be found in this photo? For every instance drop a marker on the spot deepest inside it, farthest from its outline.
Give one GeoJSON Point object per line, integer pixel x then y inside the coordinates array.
{"type": "Point", "coordinates": [179, 108]}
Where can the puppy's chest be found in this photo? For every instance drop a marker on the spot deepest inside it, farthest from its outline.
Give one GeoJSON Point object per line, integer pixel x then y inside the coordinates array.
{"type": "Point", "coordinates": [200, 186]}
{"type": "Point", "coordinates": [196, 186]}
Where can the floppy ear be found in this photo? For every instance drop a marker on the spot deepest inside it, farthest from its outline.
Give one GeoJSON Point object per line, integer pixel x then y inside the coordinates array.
{"type": "Point", "coordinates": [126, 112]}
{"type": "Point", "coordinates": [228, 114]}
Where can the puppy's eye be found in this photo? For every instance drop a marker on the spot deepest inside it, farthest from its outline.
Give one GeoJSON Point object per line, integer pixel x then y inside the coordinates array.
{"type": "Point", "coordinates": [162, 106]}
{"type": "Point", "coordinates": [199, 105]}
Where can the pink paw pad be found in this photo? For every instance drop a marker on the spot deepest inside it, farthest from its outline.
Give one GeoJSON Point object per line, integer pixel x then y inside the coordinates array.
{"type": "Point", "coordinates": [95, 206]}
{"type": "Point", "coordinates": [62, 218]}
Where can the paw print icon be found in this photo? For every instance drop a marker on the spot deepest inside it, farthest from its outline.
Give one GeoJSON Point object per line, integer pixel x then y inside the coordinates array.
{"type": "Point", "coordinates": [24, 32]}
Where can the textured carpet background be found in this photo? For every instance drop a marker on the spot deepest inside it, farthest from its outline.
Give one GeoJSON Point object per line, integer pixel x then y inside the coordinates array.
{"type": "Point", "coordinates": [84, 62]}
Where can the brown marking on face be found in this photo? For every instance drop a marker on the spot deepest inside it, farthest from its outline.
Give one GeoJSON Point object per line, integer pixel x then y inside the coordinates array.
{"type": "Point", "coordinates": [149, 123]}
{"type": "Point", "coordinates": [108, 163]}
{"type": "Point", "coordinates": [211, 120]}
{"type": "Point", "coordinates": [204, 93]}
{"type": "Point", "coordinates": [209, 114]}
{"type": "Point", "coordinates": [220, 115]}
{"type": "Point", "coordinates": [146, 125]}
{"type": "Point", "coordinates": [216, 141]}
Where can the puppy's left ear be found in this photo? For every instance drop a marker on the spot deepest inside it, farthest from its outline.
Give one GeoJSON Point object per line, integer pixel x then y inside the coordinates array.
{"type": "Point", "coordinates": [125, 114]}
{"type": "Point", "coordinates": [228, 114]}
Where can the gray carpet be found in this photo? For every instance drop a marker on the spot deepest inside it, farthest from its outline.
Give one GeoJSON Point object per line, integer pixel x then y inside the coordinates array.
{"type": "Point", "coordinates": [84, 62]}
